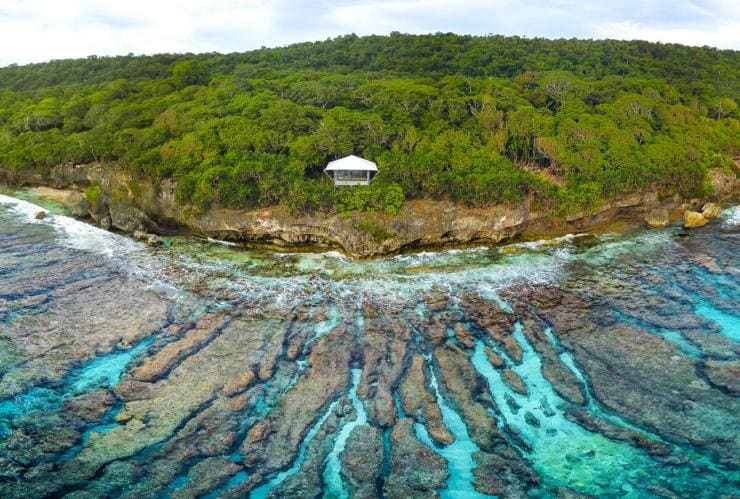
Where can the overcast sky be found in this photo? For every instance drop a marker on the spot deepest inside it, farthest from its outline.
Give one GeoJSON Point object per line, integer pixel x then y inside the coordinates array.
{"type": "Point", "coordinates": [39, 30]}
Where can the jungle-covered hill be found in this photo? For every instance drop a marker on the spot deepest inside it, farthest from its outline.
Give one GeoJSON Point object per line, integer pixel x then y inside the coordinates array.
{"type": "Point", "coordinates": [475, 120]}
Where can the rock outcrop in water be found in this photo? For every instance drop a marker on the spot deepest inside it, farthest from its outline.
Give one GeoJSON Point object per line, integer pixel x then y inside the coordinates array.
{"type": "Point", "coordinates": [711, 210]}
{"type": "Point", "coordinates": [150, 239]}
{"type": "Point", "coordinates": [694, 219]}
{"type": "Point", "coordinates": [129, 205]}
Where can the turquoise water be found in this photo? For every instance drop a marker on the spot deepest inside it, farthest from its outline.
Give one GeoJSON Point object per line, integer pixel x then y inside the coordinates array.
{"type": "Point", "coordinates": [35, 399]}
{"type": "Point", "coordinates": [459, 454]}
{"type": "Point", "coordinates": [729, 324]}
{"type": "Point", "coordinates": [102, 372]}
{"type": "Point", "coordinates": [648, 281]}
{"type": "Point", "coordinates": [107, 370]}
{"type": "Point", "coordinates": [232, 483]}
{"type": "Point", "coordinates": [178, 483]}
{"type": "Point", "coordinates": [673, 336]}
{"type": "Point", "coordinates": [332, 477]}
{"type": "Point", "coordinates": [562, 451]}
{"type": "Point", "coordinates": [262, 491]}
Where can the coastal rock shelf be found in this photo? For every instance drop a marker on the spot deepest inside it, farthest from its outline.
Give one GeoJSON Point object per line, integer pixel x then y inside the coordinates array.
{"type": "Point", "coordinates": [421, 223]}
{"type": "Point", "coordinates": [604, 366]}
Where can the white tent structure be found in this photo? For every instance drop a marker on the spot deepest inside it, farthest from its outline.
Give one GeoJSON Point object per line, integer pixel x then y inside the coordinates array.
{"type": "Point", "coordinates": [351, 170]}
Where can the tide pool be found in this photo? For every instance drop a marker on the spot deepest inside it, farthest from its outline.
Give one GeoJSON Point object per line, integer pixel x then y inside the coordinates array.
{"type": "Point", "coordinates": [106, 370]}
{"type": "Point", "coordinates": [102, 372]}
{"type": "Point", "coordinates": [262, 491]}
{"type": "Point", "coordinates": [459, 454]}
{"type": "Point", "coordinates": [332, 477]}
{"type": "Point", "coordinates": [729, 324]}
{"type": "Point", "coordinates": [562, 451]}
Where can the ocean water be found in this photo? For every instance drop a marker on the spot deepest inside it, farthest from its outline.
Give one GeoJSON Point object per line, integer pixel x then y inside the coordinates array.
{"type": "Point", "coordinates": [134, 371]}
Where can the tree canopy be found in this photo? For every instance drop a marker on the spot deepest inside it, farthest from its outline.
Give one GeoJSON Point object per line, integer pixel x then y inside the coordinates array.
{"type": "Point", "coordinates": [475, 120]}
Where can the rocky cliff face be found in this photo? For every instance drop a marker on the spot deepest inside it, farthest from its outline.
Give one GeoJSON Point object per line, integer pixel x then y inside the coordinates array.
{"type": "Point", "coordinates": [131, 205]}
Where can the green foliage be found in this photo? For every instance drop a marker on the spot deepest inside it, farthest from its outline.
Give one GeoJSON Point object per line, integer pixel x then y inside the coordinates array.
{"type": "Point", "coordinates": [118, 195]}
{"type": "Point", "coordinates": [189, 72]}
{"type": "Point", "coordinates": [581, 198]}
{"type": "Point", "coordinates": [378, 196]}
{"type": "Point", "coordinates": [377, 233]}
{"type": "Point", "coordinates": [474, 120]}
{"type": "Point", "coordinates": [93, 194]}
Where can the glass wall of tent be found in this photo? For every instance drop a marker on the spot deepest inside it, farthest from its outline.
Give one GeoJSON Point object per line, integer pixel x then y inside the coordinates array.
{"type": "Point", "coordinates": [352, 177]}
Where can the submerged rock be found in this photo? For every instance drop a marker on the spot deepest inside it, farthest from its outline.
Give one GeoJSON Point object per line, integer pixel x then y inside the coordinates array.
{"type": "Point", "coordinates": [494, 358]}
{"type": "Point", "coordinates": [308, 479]}
{"type": "Point", "coordinates": [563, 380]}
{"type": "Point", "coordinates": [240, 383]}
{"type": "Point", "coordinates": [469, 394]}
{"type": "Point", "coordinates": [384, 345]}
{"type": "Point", "coordinates": [362, 462]}
{"type": "Point", "coordinates": [277, 442]}
{"type": "Point", "coordinates": [503, 474]}
{"type": "Point", "coordinates": [415, 469]}
{"type": "Point", "coordinates": [421, 404]}
{"type": "Point", "coordinates": [463, 336]}
{"type": "Point", "coordinates": [167, 358]}
{"type": "Point", "coordinates": [31, 445]}
{"type": "Point", "coordinates": [134, 390]}
{"type": "Point", "coordinates": [724, 375]}
{"type": "Point", "coordinates": [531, 419]}
{"type": "Point", "coordinates": [206, 476]}
{"type": "Point", "coordinates": [514, 381]}
{"type": "Point", "coordinates": [596, 424]}
{"type": "Point", "coordinates": [496, 322]}
{"type": "Point", "coordinates": [653, 365]}
{"type": "Point", "coordinates": [88, 407]}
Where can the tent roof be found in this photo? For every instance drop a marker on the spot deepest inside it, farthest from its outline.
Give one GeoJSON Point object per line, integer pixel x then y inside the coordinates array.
{"type": "Point", "coordinates": [351, 162]}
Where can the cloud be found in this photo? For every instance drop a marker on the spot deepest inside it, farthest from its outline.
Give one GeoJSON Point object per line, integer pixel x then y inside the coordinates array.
{"type": "Point", "coordinates": [39, 30]}
{"type": "Point", "coordinates": [723, 35]}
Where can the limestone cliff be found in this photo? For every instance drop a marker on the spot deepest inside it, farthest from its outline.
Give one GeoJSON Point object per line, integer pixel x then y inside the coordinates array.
{"type": "Point", "coordinates": [130, 205]}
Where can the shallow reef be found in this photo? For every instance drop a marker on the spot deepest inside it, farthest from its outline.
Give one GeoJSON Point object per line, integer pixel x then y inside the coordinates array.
{"type": "Point", "coordinates": [599, 366]}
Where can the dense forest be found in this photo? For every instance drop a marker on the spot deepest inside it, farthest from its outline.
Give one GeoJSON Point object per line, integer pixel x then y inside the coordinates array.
{"type": "Point", "coordinates": [475, 120]}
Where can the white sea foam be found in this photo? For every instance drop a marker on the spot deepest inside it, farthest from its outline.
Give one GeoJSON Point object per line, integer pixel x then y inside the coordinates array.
{"type": "Point", "coordinates": [223, 243]}
{"type": "Point", "coordinates": [334, 254]}
{"type": "Point", "coordinates": [327, 254]}
{"type": "Point", "coordinates": [283, 278]}
{"type": "Point", "coordinates": [21, 207]}
{"type": "Point", "coordinates": [86, 237]}
{"type": "Point", "coordinates": [731, 216]}
{"type": "Point", "coordinates": [544, 243]}
{"type": "Point", "coordinates": [130, 255]}
{"type": "Point", "coordinates": [435, 257]}
{"type": "Point", "coordinates": [78, 235]}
